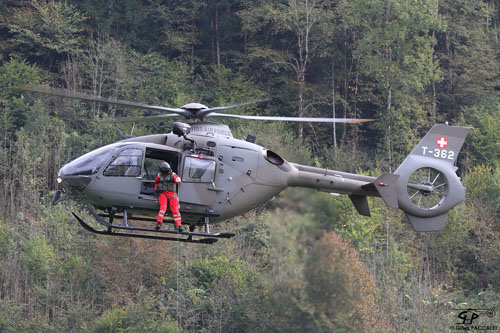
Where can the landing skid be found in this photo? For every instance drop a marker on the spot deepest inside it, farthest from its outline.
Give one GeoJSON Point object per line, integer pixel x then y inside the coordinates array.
{"type": "Point", "coordinates": [205, 237]}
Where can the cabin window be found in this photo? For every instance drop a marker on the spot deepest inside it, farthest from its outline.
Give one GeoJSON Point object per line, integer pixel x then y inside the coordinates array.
{"type": "Point", "coordinates": [198, 170]}
{"type": "Point", "coordinates": [128, 163]}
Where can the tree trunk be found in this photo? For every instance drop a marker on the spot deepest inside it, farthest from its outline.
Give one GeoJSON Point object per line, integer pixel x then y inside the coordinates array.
{"type": "Point", "coordinates": [433, 84]}
{"type": "Point", "coordinates": [388, 135]}
{"type": "Point", "coordinates": [217, 40]}
{"type": "Point", "coordinates": [245, 36]}
{"type": "Point", "coordinates": [346, 89]}
{"type": "Point", "coordinates": [333, 111]}
{"type": "Point", "coordinates": [303, 57]}
{"type": "Point", "coordinates": [191, 63]}
{"type": "Point", "coordinates": [212, 40]}
{"type": "Point", "coordinates": [110, 8]}
{"type": "Point", "coordinates": [355, 115]}
{"type": "Point", "coordinates": [301, 80]}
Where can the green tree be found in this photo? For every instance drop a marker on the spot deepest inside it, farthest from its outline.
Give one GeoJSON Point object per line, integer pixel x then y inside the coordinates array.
{"type": "Point", "coordinates": [397, 62]}
{"type": "Point", "coordinates": [228, 294]}
{"type": "Point", "coordinates": [43, 29]}
{"type": "Point", "coordinates": [181, 28]}
{"type": "Point", "coordinates": [483, 142]}
{"type": "Point", "coordinates": [136, 317]}
{"type": "Point", "coordinates": [335, 294]}
{"type": "Point", "coordinates": [468, 52]}
{"type": "Point", "coordinates": [131, 22]}
{"type": "Point", "coordinates": [290, 31]}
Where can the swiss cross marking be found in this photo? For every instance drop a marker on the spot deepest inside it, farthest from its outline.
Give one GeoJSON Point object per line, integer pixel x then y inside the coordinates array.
{"type": "Point", "coordinates": [442, 142]}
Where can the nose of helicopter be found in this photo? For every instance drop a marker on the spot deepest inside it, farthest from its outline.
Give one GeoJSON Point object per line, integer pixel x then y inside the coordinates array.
{"type": "Point", "coordinates": [72, 185]}
{"type": "Point", "coordinates": [75, 176]}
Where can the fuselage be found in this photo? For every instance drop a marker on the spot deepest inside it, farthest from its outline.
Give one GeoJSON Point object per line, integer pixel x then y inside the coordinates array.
{"type": "Point", "coordinates": [222, 177]}
{"type": "Point", "coordinates": [237, 175]}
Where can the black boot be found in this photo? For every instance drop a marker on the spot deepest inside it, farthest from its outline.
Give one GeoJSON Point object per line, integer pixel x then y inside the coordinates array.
{"type": "Point", "coordinates": [179, 228]}
{"type": "Point", "coordinates": [158, 226]}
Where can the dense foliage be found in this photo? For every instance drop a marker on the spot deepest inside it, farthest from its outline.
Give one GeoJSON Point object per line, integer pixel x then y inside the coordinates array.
{"type": "Point", "coordinates": [302, 262]}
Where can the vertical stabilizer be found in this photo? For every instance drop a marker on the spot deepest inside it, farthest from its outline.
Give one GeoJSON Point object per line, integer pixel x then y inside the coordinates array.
{"type": "Point", "coordinates": [428, 186]}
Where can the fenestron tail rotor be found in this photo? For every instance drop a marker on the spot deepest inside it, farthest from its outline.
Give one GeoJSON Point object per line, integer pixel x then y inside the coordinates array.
{"type": "Point", "coordinates": [191, 111]}
{"type": "Point", "coordinates": [427, 188]}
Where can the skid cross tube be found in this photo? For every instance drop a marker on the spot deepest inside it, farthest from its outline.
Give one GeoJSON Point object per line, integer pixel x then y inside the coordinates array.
{"type": "Point", "coordinates": [111, 229]}
{"type": "Point", "coordinates": [148, 236]}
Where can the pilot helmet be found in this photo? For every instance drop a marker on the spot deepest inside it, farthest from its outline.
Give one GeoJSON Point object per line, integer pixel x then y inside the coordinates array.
{"type": "Point", "coordinates": [165, 167]}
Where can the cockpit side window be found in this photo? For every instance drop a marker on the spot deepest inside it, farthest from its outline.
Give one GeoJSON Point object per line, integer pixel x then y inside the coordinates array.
{"type": "Point", "coordinates": [128, 163]}
{"type": "Point", "coordinates": [89, 163]}
{"type": "Point", "coordinates": [198, 170]}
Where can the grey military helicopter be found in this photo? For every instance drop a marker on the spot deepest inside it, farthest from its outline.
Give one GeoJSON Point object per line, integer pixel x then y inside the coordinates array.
{"type": "Point", "coordinates": [223, 177]}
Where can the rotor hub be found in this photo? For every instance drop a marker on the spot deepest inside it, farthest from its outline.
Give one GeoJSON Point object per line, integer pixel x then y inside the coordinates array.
{"type": "Point", "coordinates": [194, 107]}
{"type": "Point", "coordinates": [429, 191]}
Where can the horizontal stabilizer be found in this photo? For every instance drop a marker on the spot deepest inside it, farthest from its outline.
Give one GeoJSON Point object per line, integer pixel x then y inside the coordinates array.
{"type": "Point", "coordinates": [427, 223]}
{"type": "Point", "coordinates": [361, 204]}
{"type": "Point", "coordinates": [386, 187]}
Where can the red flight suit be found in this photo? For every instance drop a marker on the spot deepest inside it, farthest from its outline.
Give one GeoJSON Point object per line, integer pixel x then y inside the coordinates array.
{"type": "Point", "coordinates": [171, 198]}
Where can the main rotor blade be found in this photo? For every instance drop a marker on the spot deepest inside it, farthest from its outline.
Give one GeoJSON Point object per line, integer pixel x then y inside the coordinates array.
{"type": "Point", "coordinates": [204, 112]}
{"type": "Point", "coordinates": [299, 119]}
{"type": "Point", "coordinates": [138, 119]}
{"type": "Point", "coordinates": [77, 95]}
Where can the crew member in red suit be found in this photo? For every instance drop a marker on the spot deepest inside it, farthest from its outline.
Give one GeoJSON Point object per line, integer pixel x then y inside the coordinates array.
{"type": "Point", "coordinates": [165, 184]}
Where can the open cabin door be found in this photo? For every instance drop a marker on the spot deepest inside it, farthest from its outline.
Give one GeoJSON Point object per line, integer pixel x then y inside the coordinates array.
{"type": "Point", "coordinates": [198, 181]}
{"type": "Point", "coordinates": [153, 157]}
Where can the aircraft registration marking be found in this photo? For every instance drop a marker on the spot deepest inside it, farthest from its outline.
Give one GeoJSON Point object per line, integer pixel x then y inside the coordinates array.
{"type": "Point", "coordinates": [440, 153]}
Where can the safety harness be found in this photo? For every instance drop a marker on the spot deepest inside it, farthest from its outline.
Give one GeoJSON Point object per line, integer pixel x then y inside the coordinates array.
{"type": "Point", "coordinates": [166, 182]}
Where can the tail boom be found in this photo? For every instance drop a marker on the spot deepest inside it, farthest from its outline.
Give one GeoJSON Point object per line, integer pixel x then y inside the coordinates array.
{"type": "Point", "coordinates": [358, 187]}
{"type": "Point", "coordinates": [425, 186]}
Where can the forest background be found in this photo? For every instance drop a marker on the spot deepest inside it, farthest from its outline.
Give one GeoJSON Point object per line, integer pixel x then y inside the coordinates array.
{"type": "Point", "coordinates": [305, 261]}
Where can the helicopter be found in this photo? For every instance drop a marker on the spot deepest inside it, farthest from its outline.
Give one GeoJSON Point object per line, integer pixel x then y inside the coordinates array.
{"type": "Point", "coordinates": [223, 177]}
